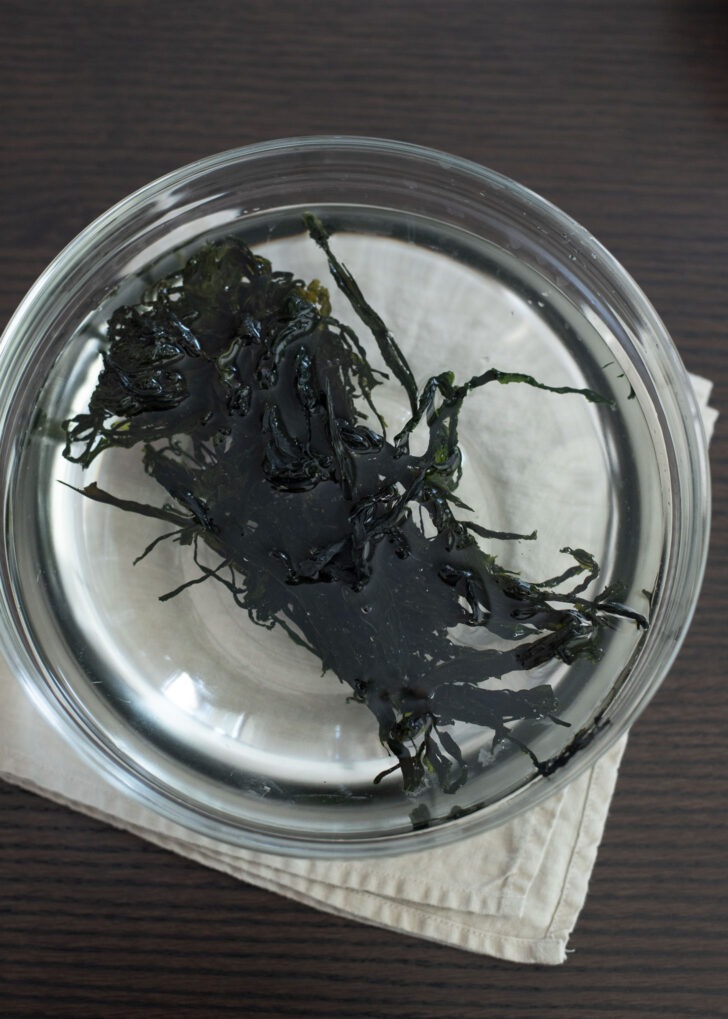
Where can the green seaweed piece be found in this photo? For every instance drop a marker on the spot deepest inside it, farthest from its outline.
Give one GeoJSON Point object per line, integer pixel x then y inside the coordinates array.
{"type": "Point", "coordinates": [252, 408]}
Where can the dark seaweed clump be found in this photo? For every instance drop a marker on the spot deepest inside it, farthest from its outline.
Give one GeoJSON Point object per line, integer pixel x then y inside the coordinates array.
{"type": "Point", "coordinates": [254, 410]}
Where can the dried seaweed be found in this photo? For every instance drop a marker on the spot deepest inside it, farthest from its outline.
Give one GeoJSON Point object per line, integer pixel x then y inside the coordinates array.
{"type": "Point", "coordinates": [254, 410]}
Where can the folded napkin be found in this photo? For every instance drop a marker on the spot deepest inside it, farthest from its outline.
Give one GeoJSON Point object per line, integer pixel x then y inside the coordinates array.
{"type": "Point", "coordinates": [514, 892]}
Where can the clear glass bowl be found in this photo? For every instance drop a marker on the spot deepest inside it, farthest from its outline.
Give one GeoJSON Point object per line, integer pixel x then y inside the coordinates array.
{"type": "Point", "coordinates": [233, 730]}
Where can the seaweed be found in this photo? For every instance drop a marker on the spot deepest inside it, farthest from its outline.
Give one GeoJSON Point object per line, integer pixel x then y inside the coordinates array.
{"type": "Point", "coordinates": [254, 410]}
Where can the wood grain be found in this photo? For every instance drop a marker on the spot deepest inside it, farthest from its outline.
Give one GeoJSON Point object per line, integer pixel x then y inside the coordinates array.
{"type": "Point", "coordinates": [616, 111]}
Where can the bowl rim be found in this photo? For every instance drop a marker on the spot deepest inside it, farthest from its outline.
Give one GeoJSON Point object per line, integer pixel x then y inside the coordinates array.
{"type": "Point", "coordinates": [104, 228]}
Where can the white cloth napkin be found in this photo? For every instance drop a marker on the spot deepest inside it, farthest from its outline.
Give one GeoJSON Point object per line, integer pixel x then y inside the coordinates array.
{"type": "Point", "coordinates": [514, 892]}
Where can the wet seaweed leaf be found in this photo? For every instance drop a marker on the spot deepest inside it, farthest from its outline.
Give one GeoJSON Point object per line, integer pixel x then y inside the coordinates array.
{"type": "Point", "coordinates": [254, 412]}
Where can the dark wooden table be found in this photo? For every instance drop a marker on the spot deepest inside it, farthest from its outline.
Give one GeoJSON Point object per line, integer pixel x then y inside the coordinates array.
{"type": "Point", "coordinates": [618, 112]}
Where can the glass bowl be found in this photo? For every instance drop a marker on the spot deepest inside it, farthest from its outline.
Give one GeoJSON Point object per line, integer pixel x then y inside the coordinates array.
{"type": "Point", "coordinates": [397, 700]}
